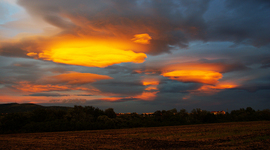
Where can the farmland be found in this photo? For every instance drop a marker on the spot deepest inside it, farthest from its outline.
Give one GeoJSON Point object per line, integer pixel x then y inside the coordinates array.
{"type": "Point", "coordinates": [240, 135]}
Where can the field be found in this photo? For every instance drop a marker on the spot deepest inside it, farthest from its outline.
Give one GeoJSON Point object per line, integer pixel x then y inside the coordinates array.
{"type": "Point", "coordinates": [240, 135]}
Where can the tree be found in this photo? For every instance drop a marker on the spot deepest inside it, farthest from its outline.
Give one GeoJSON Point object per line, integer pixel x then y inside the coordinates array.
{"type": "Point", "coordinates": [110, 113]}
{"type": "Point", "coordinates": [183, 116]}
{"type": "Point", "coordinates": [174, 111]}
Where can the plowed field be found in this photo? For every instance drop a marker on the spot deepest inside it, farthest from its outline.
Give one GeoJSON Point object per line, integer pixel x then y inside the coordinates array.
{"type": "Point", "coordinates": [243, 135]}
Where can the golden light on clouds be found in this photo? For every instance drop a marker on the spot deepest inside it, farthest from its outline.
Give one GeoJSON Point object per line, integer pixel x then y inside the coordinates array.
{"type": "Point", "coordinates": [33, 88]}
{"type": "Point", "coordinates": [62, 82]}
{"type": "Point", "coordinates": [199, 76]}
{"type": "Point", "coordinates": [79, 78]}
{"type": "Point", "coordinates": [111, 99]}
{"type": "Point", "coordinates": [88, 51]}
{"type": "Point", "coordinates": [212, 89]}
{"type": "Point", "coordinates": [92, 56]}
{"type": "Point", "coordinates": [148, 96]}
{"type": "Point", "coordinates": [142, 38]}
{"type": "Point", "coordinates": [29, 87]}
{"type": "Point", "coordinates": [150, 88]}
{"type": "Point", "coordinates": [195, 66]}
{"type": "Point", "coordinates": [224, 85]}
{"type": "Point", "coordinates": [150, 82]}
{"type": "Point", "coordinates": [32, 54]}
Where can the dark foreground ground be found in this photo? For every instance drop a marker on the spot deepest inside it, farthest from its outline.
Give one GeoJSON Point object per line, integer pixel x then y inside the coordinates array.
{"type": "Point", "coordinates": [243, 135]}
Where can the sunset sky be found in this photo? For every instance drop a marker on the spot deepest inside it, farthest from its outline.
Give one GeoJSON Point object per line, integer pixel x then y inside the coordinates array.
{"type": "Point", "coordinates": [136, 55]}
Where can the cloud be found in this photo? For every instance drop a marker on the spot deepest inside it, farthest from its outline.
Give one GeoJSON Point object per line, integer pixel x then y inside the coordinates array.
{"type": "Point", "coordinates": [213, 89]}
{"type": "Point", "coordinates": [217, 65]}
{"type": "Point", "coordinates": [239, 22]}
{"type": "Point", "coordinates": [148, 94]}
{"type": "Point", "coordinates": [139, 52]}
{"type": "Point", "coordinates": [89, 52]}
{"type": "Point", "coordinates": [168, 24]}
{"type": "Point", "coordinates": [75, 78]}
{"type": "Point", "coordinates": [199, 76]}
{"type": "Point", "coordinates": [142, 38]}
{"type": "Point", "coordinates": [150, 81]}
{"type": "Point", "coordinates": [48, 94]}
{"type": "Point", "coordinates": [206, 72]}
{"type": "Point", "coordinates": [84, 95]}
{"type": "Point", "coordinates": [76, 101]}
{"type": "Point", "coordinates": [30, 87]}
{"type": "Point", "coordinates": [62, 82]}
{"type": "Point", "coordinates": [146, 20]}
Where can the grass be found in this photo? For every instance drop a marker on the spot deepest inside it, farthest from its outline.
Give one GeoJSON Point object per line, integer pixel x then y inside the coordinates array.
{"type": "Point", "coordinates": [240, 135]}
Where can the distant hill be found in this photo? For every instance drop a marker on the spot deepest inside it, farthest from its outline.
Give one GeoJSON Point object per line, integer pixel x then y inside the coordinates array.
{"type": "Point", "coordinates": [15, 107]}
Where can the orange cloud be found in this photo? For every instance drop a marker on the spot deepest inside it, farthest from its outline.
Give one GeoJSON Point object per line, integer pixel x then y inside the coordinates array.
{"type": "Point", "coordinates": [28, 87]}
{"type": "Point", "coordinates": [212, 89]}
{"type": "Point", "coordinates": [150, 82]}
{"type": "Point", "coordinates": [22, 99]}
{"type": "Point", "coordinates": [87, 51]}
{"type": "Point", "coordinates": [32, 54]}
{"type": "Point", "coordinates": [147, 96]}
{"type": "Point", "coordinates": [142, 38]}
{"type": "Point", "coordinates": [62, 82]}
{"type": "Point", "coordinates": [111, 99]}
{"type": "Point", "coordinates": [150, 88]}
{"type": "Point", "coordinates": [225, 85]}
{"type": "Point", "coordinates": [200, 76]}
{"type": "Point", "coordinates": [195, 66]}
{"type": "Point", "coordinates": [78, 78]}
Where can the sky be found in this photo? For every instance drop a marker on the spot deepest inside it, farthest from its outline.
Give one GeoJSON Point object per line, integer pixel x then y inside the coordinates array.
{"type": "Point", "coordinates": [136, 56]}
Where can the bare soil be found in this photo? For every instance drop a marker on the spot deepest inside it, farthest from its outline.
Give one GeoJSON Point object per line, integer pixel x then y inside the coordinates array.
{"type": "Point", "coordinates": [237, 135]}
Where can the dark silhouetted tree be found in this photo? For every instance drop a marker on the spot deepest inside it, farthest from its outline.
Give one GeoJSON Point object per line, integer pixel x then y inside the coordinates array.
{"type": "Point", "coordinates": [110, 113]}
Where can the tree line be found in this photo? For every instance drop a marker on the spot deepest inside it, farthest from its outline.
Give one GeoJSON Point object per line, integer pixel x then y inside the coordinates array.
{"type": "Point", "coordinates": [91, 118]}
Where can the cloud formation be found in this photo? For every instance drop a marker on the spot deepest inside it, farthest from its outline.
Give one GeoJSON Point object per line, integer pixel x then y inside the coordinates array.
{"type": "Point", "coordinates": [200, 76]}
{"type": "Point", "coordinates": [143, 53]}
{"type": "Point", "coordinates": [62, 82]}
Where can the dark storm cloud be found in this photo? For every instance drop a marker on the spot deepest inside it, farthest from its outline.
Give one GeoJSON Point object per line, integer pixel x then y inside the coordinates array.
{"type": "Point", "coordinates": [177, 87]}
{"type": "Point", "coordinates": [241, 21]}
{"type": "Point", "coordinates": [73, 101]}
{"type": "Point", "coordinates": [167, 22]}
{"type": "Point", "coordinates": [255, 87]}
{"type": "Point", "coordinates": [120, 86]}
{"type": "Point", "coordinates": [48, 94]}
{"type": "Point", "coordinates": [261, 82]}
{"type": "Point", "coordinates": [170, 23]}
{"type": "Point", "coordinates": [230, 37]}
{"type": "Point", "coordinates": [226, 65]}
{"type": "Point", "coordinates": [263, 60]}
